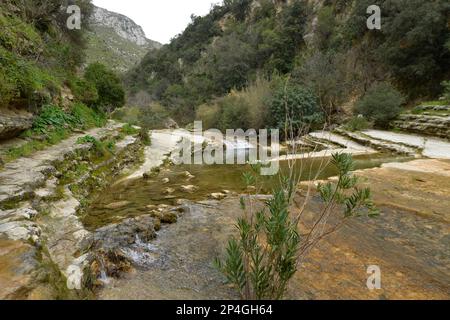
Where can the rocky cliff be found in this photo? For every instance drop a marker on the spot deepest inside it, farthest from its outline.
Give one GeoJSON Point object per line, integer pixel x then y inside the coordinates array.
{"type": "Point", "coordinates": [116, 40]}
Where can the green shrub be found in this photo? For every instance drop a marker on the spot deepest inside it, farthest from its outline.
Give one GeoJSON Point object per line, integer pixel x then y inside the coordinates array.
{"type": "Point", "coordinates": [209, 114]}
{"type": "Point", "coordinates": [86, 139]}
{"type": "Point", "coordinates": [446, 85]}
{"type": "Point", "coordinates": [111, 94]}
{"type": "Point", "coordinates": [84, 91]}
{"type": "Point", "coordinates": [297, 106]}
{"type": "Point", "coordinates": [357, 124]}
{"type": "Point", "coordinates": [52, 117]}
{"type": "Point", "coordinates": [381, 104]}
{"type": "Point", "coordinates": [145, 137]}
{"type": "Point", "coordinates": [128, 129]}
{"type": "Point", "coordinates": [261, 261]}
{"type": "Point", "coordinates": [234, 113]}
{"type": "Point", "coordinates": [86, 117]}
{"type": "Point", "coordinates": [101, 148]}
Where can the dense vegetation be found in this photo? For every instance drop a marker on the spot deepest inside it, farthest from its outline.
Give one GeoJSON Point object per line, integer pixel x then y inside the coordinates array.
{"type": "Point", "coordinates": [210, 70]}
{"type": "Point", "coordinates": [38, 53]}
{"type": "Point", "coordinates": [40, 62]}
{"type": "Point", "coordinates": [40, 56]}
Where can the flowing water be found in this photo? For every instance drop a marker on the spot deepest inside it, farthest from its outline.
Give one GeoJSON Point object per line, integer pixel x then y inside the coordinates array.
{"type": "Point", "coordinates": [136, 195]}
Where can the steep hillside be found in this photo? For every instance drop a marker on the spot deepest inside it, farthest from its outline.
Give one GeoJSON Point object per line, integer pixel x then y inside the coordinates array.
{"type": "Point", "coordinates": [323, 46]}
{"type": "Point", "coordinates": [116, 41]}
{"type": "Point", "coordinates": [44, 96]}
{"type": "Point", "coordinates": [39, 56]}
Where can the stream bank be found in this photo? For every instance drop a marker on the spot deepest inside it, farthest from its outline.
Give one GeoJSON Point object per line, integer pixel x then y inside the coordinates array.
{"type": "Point", "coordinates": [44, 246]}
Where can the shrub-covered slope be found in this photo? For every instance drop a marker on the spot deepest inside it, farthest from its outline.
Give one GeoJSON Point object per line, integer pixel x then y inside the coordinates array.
{"type": "Point", "coordinates": [323, 45]}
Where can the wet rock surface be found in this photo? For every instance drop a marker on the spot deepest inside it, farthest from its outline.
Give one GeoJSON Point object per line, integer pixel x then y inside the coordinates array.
{"type": "Point", "coordinates": [125, 233]}
{"type": "Point", "coordinates": [18, 263]}
{"type": "Point", "coordinates": [408, 241]}
{"type": "Point", "coordinates": [39, 209]}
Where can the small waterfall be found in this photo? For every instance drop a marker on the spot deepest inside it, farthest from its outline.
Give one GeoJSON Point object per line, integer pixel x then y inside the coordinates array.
{"type": "Point", "coordinates": [103, 278]}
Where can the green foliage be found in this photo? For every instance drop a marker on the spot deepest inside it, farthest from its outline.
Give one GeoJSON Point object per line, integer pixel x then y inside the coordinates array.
{"type": "Point", "coordinates": [111, 94]}
{"type": "Point", "coordinates": [86, 118]}
{"type": "Point", "coordinates": [128, 129]}
{"type": "Point", "coordinates": [446, 93]}
{"type": "Point", "coordinates": [411, 43]}
{"type": "Point", "coordinates": [244, 109]}
{"type": "Point", "coordinates": [37, 51]}
{"type": "Point", "coordinates": [22, 80]}
{"type": "Point", "coordinates": [52, 126]}
{"type": "Point", "coordinates": [325, 27]}
{"type": "Point", "coordinates": [84, 91]}
{"type": "Point", "coordinates": [52, 117]}
{"type": "Point", "coordinates": [381, 104]}
{"type": "Point", "coordinates": [265, 256]}
{"type": "Point", "coordinates": [205, 62]}
{"type": "Point", "coordinates": [325, 74]}
{"type": "Point", "coordinates": [100, 148]}
{"type": "Point", "coordinates": [145, 137]}
{"type": "Point", "coordinates": [357, 123]}
{"type": "Point", "coordinates": [295, 105]}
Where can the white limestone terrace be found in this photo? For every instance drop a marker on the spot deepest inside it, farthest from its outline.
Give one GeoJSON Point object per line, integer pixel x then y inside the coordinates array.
{"type": "Point", "coordinates": [163, 143]}
{"type": "Point", "coordinates": [432, 147]}
{"type": "Point", "coordinates": [346, 143]}
{"type": "Point", "coordinates": [20, 177]}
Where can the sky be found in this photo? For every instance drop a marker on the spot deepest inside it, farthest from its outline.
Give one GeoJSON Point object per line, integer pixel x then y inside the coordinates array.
{"type": "Point", "coordinates": [160, 19]}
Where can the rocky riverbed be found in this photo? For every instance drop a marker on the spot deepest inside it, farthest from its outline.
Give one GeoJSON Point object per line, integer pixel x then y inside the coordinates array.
{"type": "Point", "coordinates": [155, 230]}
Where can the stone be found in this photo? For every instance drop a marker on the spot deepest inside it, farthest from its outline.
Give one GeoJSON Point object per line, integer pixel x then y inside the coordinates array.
{"type": "Point", "coordinates": [171, 124]}
{"type": "Point", "coordinates": [169, 191]}
{"type": "Point", "coordinates": [217, 196]}
{"type": "Point", "coordinates": [146, 176]}
{"type": "Point", "coordinates": [189, 189]}
{"type": "Point", "coordinates": [75, 273]}
{"type": "Point", "coordinates": [124, 234]}
{"type": "Point", "coordinates": [180, 202]}
{"type": "Point", "coordinates": [157, 224]}
{"type": "Point", "coordinates": [188, 175]}
{"type": "Point", "coordinates": [169, 217]}
{"type": "Point", "coordinates": [165, 180]}
{"type": "Point", "coordinates": [13, 122]}
{"type": "Point", "coordinates": [117, 205]}
{"type": "Point", "coordinates": [18, 262]}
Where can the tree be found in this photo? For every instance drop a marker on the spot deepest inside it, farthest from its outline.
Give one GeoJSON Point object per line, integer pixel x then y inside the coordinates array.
{"type": "Point", "coordinates": [411, 43]}
{"type": "Point", "coordinates": [326, 75]}
{"type": "Point", "coordinates": [297, 105]}
{"type": "Point", "coordinates": [111, 94]}
{"type": "Point", "coordinates": [381, 104]}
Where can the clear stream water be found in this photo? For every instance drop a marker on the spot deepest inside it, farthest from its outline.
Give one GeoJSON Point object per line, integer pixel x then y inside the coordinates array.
{"type": "Point", "coordinates": [140, 193]}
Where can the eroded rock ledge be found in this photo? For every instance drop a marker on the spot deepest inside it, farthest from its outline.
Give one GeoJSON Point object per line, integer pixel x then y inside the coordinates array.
{"type": "Point", "coordinates": [40, 199]}
{"type": "Point", "coordinates": [12, 123]}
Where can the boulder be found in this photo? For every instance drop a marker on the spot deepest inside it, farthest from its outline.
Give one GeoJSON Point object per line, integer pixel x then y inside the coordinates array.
{"type": "Point", "coordinates": [125, 233]}
{"type": "Point", "coordinates": [12, 123]}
